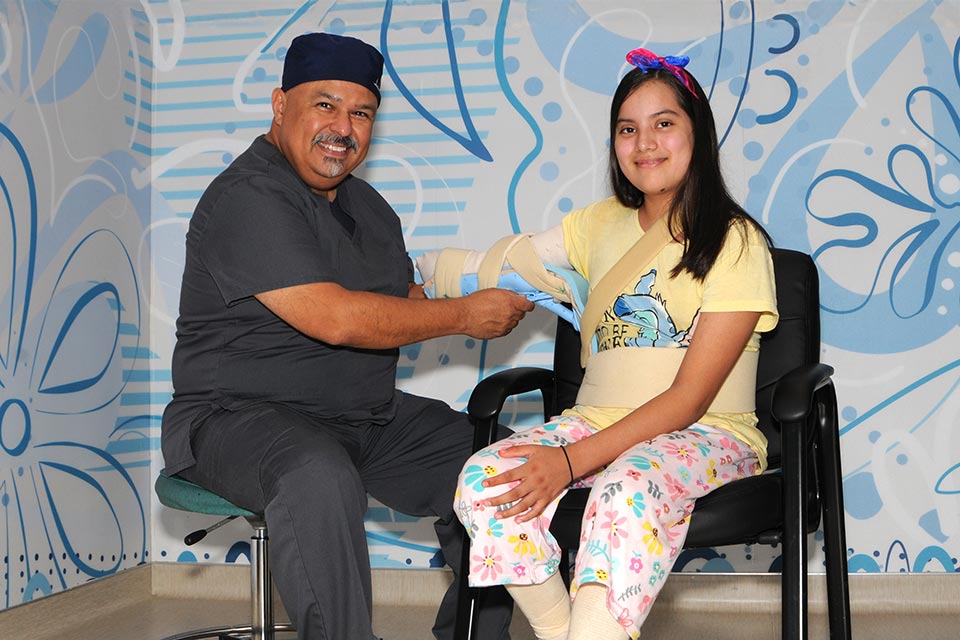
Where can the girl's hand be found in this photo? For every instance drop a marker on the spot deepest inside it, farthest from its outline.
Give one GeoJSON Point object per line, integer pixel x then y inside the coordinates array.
{"type": "Point", "coordinates": [534, 484]}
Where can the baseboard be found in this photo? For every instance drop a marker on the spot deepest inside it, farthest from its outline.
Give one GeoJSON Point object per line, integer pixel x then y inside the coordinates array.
{"type": "Point", "coordinates": [914, 593]}
{"type": "Point", "coordinates": [397, 587]}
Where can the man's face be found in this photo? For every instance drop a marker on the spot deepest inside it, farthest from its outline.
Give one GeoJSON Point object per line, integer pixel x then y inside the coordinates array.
{"type": "Point", "coordinates": [323, 128]}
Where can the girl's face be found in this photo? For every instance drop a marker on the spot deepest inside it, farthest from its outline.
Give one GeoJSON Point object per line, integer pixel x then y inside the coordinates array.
{"type": "Point", "coordinates": [654, 142]}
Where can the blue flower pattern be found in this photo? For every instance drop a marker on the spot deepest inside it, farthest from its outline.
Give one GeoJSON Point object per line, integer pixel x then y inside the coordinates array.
{"type": "Point", "coordinates": [71, 309]}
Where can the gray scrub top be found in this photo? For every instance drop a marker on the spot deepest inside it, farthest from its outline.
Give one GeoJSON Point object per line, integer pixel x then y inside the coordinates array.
{"type": "Point", "coordinates": [256, 228]}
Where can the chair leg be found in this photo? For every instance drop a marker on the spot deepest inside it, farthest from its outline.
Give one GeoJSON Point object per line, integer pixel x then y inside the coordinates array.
{"type": "Point", "coordinates": [470, 600]}
{"type": "Point", "coordinates": [794, 555]}
{"type": "Point", "coordinates": [835, 543]}
{"type": "Point", "coordinates": [564, 567]}
{"type": "Point", "coordinates": [476, 599]}
{"type": "Point", "coordinates": [466, 597]}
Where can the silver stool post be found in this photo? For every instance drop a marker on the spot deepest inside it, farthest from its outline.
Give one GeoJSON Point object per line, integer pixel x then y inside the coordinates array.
{"type": "Point", "coordinates": [261, 620]}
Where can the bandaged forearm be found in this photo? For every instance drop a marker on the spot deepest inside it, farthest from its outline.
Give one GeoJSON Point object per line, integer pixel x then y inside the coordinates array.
{"type": "Point", "coordinates": [547, 246]}
{"type": "Point", "coordinates": [535, 265]}
{"type": "Point", "coordinates": [527, 254]}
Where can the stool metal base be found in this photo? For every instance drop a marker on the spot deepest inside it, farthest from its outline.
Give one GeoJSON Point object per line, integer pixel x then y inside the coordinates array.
{"type": "Point", "coordinates": [281, 631]}
{"type": "Point", "coordinates": [184, 495]}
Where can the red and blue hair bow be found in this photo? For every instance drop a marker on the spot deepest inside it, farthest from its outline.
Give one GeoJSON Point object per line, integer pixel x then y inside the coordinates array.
{"type": "Point", "coordinates": [647, 60]}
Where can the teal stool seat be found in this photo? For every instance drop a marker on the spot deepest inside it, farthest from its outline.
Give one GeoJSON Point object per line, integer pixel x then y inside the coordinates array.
{"type": "Point", "coordinates": [178, 493]}
{"type": "Point", "coordinates": [181, 494]}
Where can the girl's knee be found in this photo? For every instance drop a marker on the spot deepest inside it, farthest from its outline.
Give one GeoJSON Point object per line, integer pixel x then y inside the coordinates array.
{"type": "Point", "coordinates": [477, 469]}
{"type": "Point", "coordinates": [470, 489]}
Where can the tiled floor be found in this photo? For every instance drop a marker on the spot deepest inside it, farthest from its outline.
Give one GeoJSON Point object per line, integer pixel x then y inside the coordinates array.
{"type": "Point", "coordinates": [161, 617]}
{"type": "Point", "coordinates": [669, 625]}
{"type": "Point", "coordinates": [742, 607]}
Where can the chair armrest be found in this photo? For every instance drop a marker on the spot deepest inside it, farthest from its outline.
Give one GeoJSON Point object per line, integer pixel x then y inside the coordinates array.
{"type": "Point", "coordinates": [793, 396]}
{"type": "Point", "coordinates": [488, 396]}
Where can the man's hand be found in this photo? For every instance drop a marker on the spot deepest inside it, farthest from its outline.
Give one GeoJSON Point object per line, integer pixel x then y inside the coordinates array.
{"type": "Point", "coordinates": [415, 291]}
{"type": "Point", "coordinates": [491, 313]}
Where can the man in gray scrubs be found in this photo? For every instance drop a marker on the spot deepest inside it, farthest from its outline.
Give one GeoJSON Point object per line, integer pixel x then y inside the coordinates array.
{"type": "Point", "coordinates": [297, 292]}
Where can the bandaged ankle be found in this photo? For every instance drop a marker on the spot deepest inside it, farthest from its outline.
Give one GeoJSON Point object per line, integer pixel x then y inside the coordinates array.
{"type": "Point", "coordinates": [546, 607]}
{"type": "Point", "coordinates": [590, 619]}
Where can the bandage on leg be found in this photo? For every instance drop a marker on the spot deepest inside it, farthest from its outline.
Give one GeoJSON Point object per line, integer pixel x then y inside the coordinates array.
{"type": "Point", "coordinates": [546, 606]}
{"type": "Point", "coordinates": [590, 619]}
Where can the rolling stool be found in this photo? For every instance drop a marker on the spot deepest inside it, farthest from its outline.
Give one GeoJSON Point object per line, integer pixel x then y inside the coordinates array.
{"type": "Point", "coordinates": [186, 496]}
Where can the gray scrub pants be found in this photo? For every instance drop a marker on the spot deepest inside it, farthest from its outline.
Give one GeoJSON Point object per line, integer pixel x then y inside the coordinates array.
{"type": "Point", "coordinates": [311, 479]}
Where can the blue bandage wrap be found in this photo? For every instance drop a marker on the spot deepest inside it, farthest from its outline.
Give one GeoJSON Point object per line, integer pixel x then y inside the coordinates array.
{"type": "Point", "coordinates": [577, 288]}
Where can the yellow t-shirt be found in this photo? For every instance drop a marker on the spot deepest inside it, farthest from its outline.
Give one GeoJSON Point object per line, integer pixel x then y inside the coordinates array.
{"type": "Point", "coordinates": [656, 310]}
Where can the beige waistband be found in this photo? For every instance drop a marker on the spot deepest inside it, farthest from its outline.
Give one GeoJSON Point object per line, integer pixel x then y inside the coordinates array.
{"type": "Point", "coordinates": [630, 376]}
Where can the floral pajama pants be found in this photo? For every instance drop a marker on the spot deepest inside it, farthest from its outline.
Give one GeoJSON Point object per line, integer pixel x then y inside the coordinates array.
{"type": "Point", "coordinates": [635, 522]}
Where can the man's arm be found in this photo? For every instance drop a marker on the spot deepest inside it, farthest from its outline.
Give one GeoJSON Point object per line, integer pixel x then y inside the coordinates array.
{"type": "Point", "coordinates": [327, 312]}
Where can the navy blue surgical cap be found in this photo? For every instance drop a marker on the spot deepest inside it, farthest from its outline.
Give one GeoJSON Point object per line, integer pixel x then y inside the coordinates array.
{"type": "Point", "coordinates": [325, 56]}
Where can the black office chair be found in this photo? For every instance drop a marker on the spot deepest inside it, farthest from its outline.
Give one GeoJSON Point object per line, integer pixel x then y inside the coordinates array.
{"type": "Point", "coordinates": [797, 409]}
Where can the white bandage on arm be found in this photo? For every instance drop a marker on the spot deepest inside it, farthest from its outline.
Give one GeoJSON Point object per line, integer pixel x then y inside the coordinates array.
{"type": "Point", "coordinates": [548, 245]}
{"type": "Point", "coordinates": [427, 262]}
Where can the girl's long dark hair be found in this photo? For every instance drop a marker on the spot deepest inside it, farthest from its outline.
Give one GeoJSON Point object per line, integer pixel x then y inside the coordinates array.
{"type": "Point", "coordinates": [703, 209]}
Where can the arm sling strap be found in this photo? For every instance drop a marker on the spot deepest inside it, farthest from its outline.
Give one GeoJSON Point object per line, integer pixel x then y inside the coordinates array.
{"type": "Point", "coordinates": [630, 376]}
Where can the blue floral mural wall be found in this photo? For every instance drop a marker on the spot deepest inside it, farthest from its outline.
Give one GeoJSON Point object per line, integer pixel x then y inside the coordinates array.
{"type": "Point", "coordinates": [74, 353]}
{"type": "Point", "coordinates": [839, 130]}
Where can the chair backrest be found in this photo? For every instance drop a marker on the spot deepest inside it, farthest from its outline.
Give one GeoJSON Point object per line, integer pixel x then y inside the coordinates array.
{"type": "Point", "coordinates": [794, 341]}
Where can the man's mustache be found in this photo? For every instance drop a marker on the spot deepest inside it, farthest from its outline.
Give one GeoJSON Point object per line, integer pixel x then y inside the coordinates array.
{"type": "Point", "coordinates": [329, 138]}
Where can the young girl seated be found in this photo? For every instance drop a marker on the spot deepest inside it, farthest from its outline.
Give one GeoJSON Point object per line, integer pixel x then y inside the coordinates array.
{"type": "Point", "coordinates": [665, 414]}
